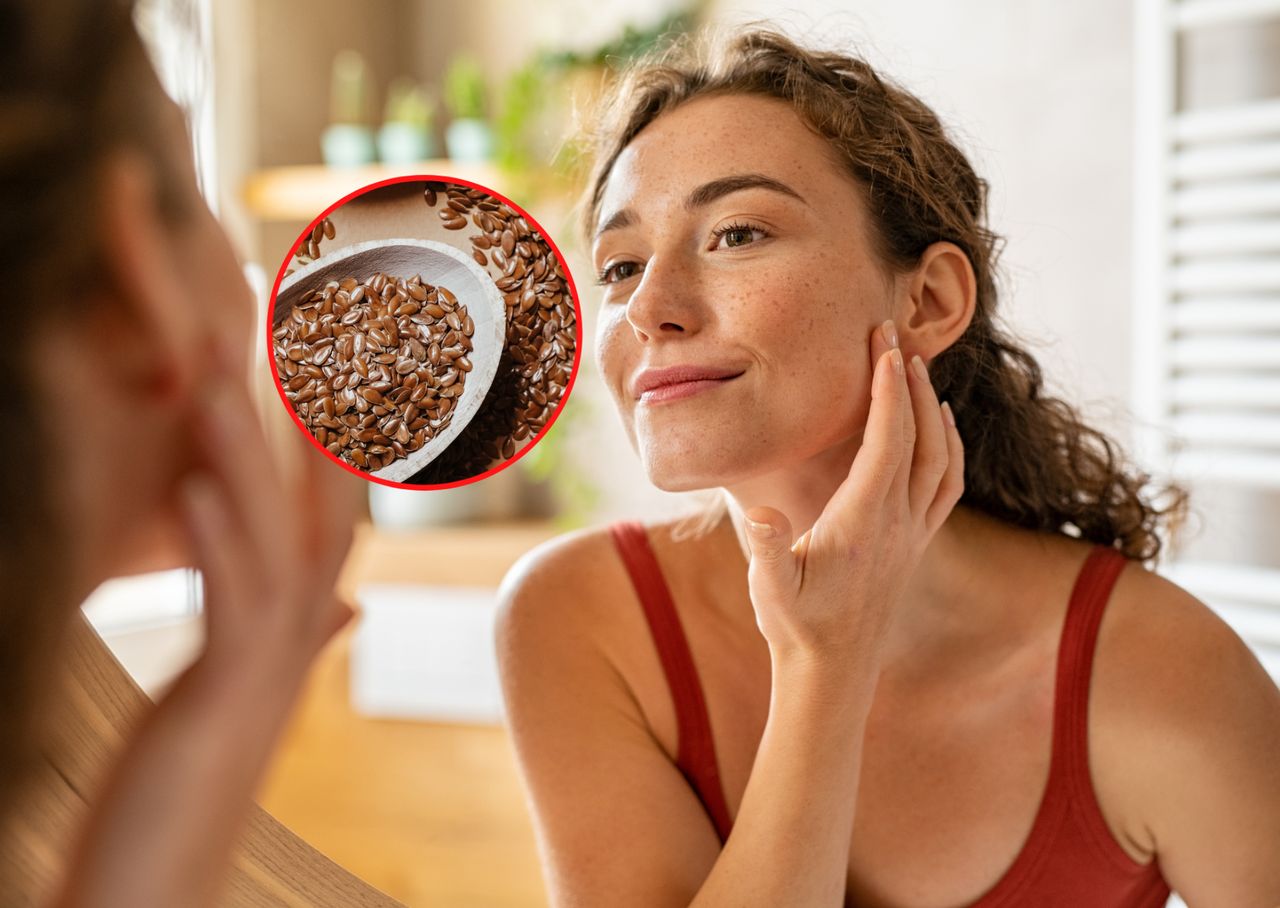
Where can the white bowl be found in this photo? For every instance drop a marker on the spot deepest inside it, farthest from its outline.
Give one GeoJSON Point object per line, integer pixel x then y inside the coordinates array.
{"type": "Point", "coordinates": [443, 266]}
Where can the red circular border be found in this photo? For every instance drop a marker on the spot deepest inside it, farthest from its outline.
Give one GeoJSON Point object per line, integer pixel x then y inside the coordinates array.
{"type": "Point", "coordinates": [425, 178]}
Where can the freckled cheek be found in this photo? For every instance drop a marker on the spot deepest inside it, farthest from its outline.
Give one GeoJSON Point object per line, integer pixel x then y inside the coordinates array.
{"type": "Point", "coordinates": [613, 357]}
{"type": "Point", "coordinates": [786, 317]}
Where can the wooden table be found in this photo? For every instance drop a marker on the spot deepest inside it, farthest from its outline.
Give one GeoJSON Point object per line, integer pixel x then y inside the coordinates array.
{"type": "Point", "coordinates": [432, 814]}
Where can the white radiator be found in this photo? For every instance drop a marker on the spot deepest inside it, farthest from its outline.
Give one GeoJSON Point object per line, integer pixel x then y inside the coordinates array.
{"type": "Point", "coordinates": [1207, 297]}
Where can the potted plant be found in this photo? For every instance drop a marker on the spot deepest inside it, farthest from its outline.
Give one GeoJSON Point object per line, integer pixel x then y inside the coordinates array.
{"type": "Point", "coordinates": [469, 136]}
{"type": "Point", "coordinates": [348, 140]}
{"type": "Point", "coordinates": [405, 136]}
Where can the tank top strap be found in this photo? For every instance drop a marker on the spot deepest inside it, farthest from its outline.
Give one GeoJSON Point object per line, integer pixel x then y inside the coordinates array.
{"type": "Point", "coordinates": [695, 749]}
{"type": "Point", "coordinates": [1070, 761]}
{"type": "Point", "coordinates": [1071, 856]}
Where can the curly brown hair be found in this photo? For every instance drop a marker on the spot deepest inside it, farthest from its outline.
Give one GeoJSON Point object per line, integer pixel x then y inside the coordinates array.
{"type": "Point", "coordinates": [1030, 459]}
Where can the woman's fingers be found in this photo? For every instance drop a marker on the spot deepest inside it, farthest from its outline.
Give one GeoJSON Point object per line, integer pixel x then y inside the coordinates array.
{"type": "Point", "coordinates": [320, 507]}
{"type": "Point", "coordinates": [930, 455]}
{"type": "Point", "coordinates": [882, 453]}
{"type": "Point", "coordinates": [908, 453]}
{"type": "Point", "coordinates": [900, 484]}
{"type": "Point", "coordinates": [215, 543]}
{"type": "Point", "coordinates": [237, 453]}
{"type": "Point", "coordinates": [774, 571]}
{"type": "Point", "coordinates": [332, 501]}
{"type": "Point", "coordinates": [307, 508]}
{"type": "Point", "coordinates": [952, 485]}
{"type": "Point", "coordinates": [325, 499]}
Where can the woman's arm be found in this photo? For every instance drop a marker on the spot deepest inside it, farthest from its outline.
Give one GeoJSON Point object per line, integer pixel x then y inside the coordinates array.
{"type": "Point", "coordinates": [161, 830]}
{"type": "Point", "coordinates": [617, 822]}
{"type": "Point", "coordinates": [798, 808]}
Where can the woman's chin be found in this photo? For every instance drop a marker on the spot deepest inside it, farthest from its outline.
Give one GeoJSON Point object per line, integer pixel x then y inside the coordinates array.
{"type": "Point", "coordinates": [691, 474]}
{"type": "Point", "coordinates": [680, 483]}
{"type": "Point", "coordinates": [684, 457]}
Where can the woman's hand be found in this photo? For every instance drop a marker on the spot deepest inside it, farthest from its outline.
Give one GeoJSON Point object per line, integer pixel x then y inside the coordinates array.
{"type": "Point", "coordinates": [162, 829]}
{"type": "Point", "coordinates": [832, 592]}
{"type": "Point", "coordinates": [270, 551]}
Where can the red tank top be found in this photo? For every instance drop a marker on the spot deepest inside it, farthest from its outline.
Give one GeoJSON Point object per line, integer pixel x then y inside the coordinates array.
{"type": "Point", "coordinates": [1070, 858]}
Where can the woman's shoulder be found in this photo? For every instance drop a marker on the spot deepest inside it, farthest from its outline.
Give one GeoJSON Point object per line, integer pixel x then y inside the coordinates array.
{"type": "Point", "coordinates": [1165, 664]}
{"type": "Point", "coordinates": [1165, 647]}
{"type": "Point", "coordinates": [1178, 696]}
{"type": "Point", "coordinates": [572, 639]}
{"type": "Point", "coordinates": [1151, 627]}
{"type": "Point", "coordinates": [574, 587]}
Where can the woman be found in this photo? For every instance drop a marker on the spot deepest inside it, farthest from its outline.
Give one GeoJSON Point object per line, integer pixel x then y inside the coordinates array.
{"type": "Point", "coordinates": [909, 664]}
{"type": "Point", "coordinates": [128, 337]}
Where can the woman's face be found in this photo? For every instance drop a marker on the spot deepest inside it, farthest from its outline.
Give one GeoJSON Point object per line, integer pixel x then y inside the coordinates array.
{"type": "Point", "coordinates": [730, 240]}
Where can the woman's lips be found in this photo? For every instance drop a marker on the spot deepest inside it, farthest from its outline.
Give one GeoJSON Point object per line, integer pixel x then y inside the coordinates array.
{"type": "Point", "coordinates": [656, 386]}
{"type": "Point", "coordinates": [681, 390]}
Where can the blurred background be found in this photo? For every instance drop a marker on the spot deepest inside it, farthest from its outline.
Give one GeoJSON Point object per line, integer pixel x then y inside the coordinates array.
{"type": "Point", "coordinates": [1133, 151]}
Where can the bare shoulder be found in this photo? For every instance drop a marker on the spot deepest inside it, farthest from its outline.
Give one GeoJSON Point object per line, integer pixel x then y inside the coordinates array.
{"type": "Point", "coordinates": [579, 575]}
{"type": "Point", "coordinates": [562, 586]}
{"type": "Point", "coordinates": [575, 591]}
{"type": "Point", "coordinates": [1188, 720]}
{"type": "Point", "coordinates": [1170, 655]}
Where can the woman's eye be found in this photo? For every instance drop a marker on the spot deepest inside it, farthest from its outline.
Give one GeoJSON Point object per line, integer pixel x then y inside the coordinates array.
{"type": "Point", "coordinates": [618, 271]}
{"type": "Point", "coordinates": [738, 235]}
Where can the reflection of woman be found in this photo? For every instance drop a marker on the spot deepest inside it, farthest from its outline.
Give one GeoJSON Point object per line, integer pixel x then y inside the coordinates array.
{"type": "Point", "coordinates": [127, 339]}
{"type": "Point", "coordinates": [889, 701]}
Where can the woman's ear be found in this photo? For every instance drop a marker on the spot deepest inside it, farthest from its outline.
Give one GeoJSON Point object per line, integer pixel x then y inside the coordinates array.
{"type": "Point", "coordinates": [152, 339]}
{"type": "Point", "coordinates": [940, 301]}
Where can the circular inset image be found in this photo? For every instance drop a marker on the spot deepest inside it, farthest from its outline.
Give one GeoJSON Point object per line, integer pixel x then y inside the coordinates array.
{"type": "Point", "coordinates": [418, 355]}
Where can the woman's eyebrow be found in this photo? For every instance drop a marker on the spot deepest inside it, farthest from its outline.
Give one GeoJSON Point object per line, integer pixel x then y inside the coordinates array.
{"type": "Point", "coordinates": [709, 192]}
{"type": "Point", "coordinates": [706, 194]}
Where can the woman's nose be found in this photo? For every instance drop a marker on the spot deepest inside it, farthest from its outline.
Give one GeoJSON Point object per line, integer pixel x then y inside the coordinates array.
{"type": "Point", "coordinates": [665, 302]}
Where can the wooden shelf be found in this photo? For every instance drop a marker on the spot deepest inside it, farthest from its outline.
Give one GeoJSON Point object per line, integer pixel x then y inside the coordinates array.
{"type": "Point", "coordinates": [300, 193]}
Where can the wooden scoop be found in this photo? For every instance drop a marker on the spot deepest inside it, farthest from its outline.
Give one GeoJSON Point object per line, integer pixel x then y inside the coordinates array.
{"type": "Point", "coordinates": [441, 265]}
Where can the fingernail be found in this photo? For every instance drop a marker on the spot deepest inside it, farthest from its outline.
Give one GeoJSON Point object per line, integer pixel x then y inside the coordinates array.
{"type": "Point", "coordinates": [947, 414]}
{"type": "Point", "coordinates": [890, 333]}
{"type": "Point", "coordinates": [896, 356]}
{"type": "Point", "coordinates": [917, 366]}
{"type": "Point", "coordinates": [762, 530]}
